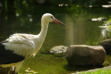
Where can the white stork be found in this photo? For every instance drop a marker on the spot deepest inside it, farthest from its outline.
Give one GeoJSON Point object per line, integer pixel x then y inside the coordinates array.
{"type": "Point", "coordinates": [18, 47]}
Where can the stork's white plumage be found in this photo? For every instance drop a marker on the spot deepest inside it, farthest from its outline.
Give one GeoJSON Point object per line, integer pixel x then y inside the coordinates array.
{"type": "Point", "coordinates": [19, 46]}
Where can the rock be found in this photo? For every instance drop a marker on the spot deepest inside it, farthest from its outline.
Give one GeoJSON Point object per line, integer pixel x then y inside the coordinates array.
{"type": "Point", "coordinates": [107, 45]}
{"type": "Point", "coordinates": [84, 55]}
{"type": "Point", "coordinates": [58, 50]}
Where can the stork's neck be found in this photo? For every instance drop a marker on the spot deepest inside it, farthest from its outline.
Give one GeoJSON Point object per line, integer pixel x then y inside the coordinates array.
{"type": "Point", "coordinates": [41, 37]}
{"type": "Point", "coordinates": [44, 28]}
{"type": "Point", "coordinates": [42, 34]}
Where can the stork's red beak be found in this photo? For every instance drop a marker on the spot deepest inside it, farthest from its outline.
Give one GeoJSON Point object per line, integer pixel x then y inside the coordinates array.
{"type": "Point", "coordinates": [57, 21]}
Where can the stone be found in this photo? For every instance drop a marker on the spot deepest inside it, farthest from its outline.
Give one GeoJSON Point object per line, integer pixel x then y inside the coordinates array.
{"type": "Point", "coordinates": [85, 55]}
{"type": "Point", "coordinates": [107, 45]}
{"type": "Point", "coordinates": [58, 50]}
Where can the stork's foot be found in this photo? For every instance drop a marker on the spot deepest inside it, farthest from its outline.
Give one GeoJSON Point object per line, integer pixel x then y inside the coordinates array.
{"type": "Point", "coordinates": [13, 72]}
{"type": "Point", "coordinates": [29, 70]}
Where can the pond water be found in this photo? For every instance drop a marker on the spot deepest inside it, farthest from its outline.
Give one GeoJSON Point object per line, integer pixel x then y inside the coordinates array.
{"type": "Point", "coordinates": [79, 28]}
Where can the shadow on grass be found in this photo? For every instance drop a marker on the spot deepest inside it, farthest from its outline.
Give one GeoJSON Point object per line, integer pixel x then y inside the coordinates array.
{"type": "Point", "coordinates": [81, 68]}
{"type": "Point", "coordinates": [75, 67]}
{"type": "Point", "coordinates": [6, 71]}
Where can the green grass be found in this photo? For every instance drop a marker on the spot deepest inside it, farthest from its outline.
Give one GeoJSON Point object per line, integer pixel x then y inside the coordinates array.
{"type": "Point", "coordinates": [45, 64]}
{"type": "Point", "coordinates": [50, 64]}
{"type": "Point", "coordinates": [107, 60]}
{"type": "Point", "coordinates": [99, 71]}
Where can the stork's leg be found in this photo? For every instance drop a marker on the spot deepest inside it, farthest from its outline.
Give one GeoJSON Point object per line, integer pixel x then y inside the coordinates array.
{"type": "Point", "coordinates": [13, 70]}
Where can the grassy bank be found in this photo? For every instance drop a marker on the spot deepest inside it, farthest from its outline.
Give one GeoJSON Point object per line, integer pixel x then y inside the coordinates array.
{"type": "Point", "coordinates": [106, 70]}
{"type": "Point", "coordinates": [50, 64]}
{"type": "Point", "coordinates": [45, 64]}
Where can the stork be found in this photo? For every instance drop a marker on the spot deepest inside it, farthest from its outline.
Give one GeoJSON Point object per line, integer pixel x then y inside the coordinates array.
{"type": "Point", "coordinates": [19, 46]}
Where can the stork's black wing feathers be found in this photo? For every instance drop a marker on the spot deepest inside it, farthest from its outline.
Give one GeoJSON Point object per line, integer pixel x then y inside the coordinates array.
{"type": "Point", "coordinates": [8, 57]}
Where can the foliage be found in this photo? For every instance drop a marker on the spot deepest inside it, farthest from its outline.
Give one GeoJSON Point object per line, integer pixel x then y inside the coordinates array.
{"type": "Point", "coordinates": [8, 9]}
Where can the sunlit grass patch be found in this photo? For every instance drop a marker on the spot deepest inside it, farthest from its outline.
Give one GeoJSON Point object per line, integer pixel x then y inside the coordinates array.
{"type": "Point", "coordinates": [45, 64]}
{"type": "Point", "coordinates": [99, 71]}
{"type": "Point", "coordinates": [50, 64]}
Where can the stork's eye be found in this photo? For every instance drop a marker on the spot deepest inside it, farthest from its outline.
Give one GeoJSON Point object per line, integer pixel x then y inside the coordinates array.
{"type": "Point", "coordinates": [51, 17]}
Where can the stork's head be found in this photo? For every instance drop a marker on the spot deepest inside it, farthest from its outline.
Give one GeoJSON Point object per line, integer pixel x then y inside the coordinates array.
{"type": "Point", "coordinates": [47, 18]}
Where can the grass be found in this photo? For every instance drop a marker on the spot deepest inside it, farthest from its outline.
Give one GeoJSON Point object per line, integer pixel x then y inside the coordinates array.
{"type": "Point", "coordinates": [50, 64]}
{"type": "Point", "coordinates": [99, 71]}
{"type": "Point", "coordinates": [45, 64]}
